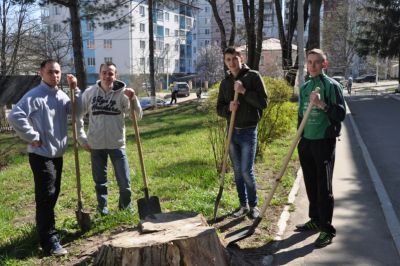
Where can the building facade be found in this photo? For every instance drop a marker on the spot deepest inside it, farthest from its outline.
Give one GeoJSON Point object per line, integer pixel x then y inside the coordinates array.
{"type": "Point", "coordinates": [128, 45]}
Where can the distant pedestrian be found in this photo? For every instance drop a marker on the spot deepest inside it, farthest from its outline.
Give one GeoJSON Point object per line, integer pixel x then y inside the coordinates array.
{"type": "Point", "coordinates": [108, 103]}
{"type": "Point", "coordinates": [40, 119]}
{"type": "Point", "coordinates": [198, 93]}
{"type": "Point", "coordinates": [174, 94]}
{"type": "Point", "coordinates": [349, 84]}
{"type": "Point", "coordinates": [249, 107]}
{"type": "Point", "coordinates": [317, 145]}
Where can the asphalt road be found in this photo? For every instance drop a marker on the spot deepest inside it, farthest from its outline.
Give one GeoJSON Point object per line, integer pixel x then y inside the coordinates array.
{"type": "Point", "coordinates": [378, 120]}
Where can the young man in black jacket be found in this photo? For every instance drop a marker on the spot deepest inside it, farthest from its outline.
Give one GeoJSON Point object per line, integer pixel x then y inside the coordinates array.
{"type": "Point", "coordinates": [249, 106]}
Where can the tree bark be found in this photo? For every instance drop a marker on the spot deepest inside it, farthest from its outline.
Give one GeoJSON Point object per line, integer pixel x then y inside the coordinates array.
{"type": "Point", "coordinates": [74, 8]}
{"type": "Point", "coordinates": [177, 239]}
{"type": "Point", "coordinates": [151, 51]}
{"type": "Point", "coordinates": [314, 27]}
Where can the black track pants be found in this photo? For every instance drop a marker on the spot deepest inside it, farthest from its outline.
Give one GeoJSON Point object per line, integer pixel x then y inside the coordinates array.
{"type": "Point", "coordinates": [317, 159]}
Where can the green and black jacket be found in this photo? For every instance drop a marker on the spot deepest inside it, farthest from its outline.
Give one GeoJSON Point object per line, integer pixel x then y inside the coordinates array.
{"type": "Point", "coordinates": [322, 124]}
{"type": "Point", "coordinates": [251, 104]}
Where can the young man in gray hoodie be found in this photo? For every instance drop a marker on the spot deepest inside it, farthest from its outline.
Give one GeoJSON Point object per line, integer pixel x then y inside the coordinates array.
{"type": "Point", "coordinates": [108, 103]}
{"type": "Point", "coordinates": [40, 119]}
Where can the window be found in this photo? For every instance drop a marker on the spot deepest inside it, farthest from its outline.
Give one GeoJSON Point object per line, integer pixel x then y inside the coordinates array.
{"type": "Point", "coordinates": [56, 27]}
{"type": "Point", "coordinates": [107, 26]}
{"type": "Point", "coordinates": [167, 46]}
{"type": "Point", "coordinates": [107, 43]}
{"type": "Point", "coordinates": [141, 26]}
{"type": "Point", "coordinates": [91, 61]}
{"type": "Point", "coordinates": [176, 63]}
{"type": "Point", "coordinates": [206, 42]}
{"type": "Point", "coordinates": [194, 50]}
{"type": "Point", "coordinates": [166, 16]}
{"type": "Point", "coordinates": [239, 8]}
{"type": "Point", "coordinates": [188, 23]}
{"type": "Point", "coordinates": [167, 32]}
{"type": "Point", "coordinates": [141, 61]}
{"type": "Point", "coordinates": [207, 31]}
{"type": "Point", "coordinates": [176, 33]}
{"type": "Point", "coordinates": [206, 9]}
{"type": "Point", "coordinates": [176, 18]}
{"type": "Point", "coordinates": [262, 60]}
{"type": "Point", "coordinates": [57, 10]}
{"type": "Point", "coordinates": [142, 11]}
{"type": "Point", "coordinates": [108, 59]}
{"type": "Point", "coordinates": [142, 44]}
{"type": "Point", "coordinates": [206, 20]}
{"type": "Point", "coordinates": [160, 15]}
{"type": "Point", "coordinates": [176, 47]}
{"type": "Point", "coordinates": [90, 44]}
{"type": "Point", "coordinates": [89, 26]}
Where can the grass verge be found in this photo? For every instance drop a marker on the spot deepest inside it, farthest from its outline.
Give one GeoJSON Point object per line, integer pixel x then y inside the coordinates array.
{"type": "Point", "coordinates": [180, 167]}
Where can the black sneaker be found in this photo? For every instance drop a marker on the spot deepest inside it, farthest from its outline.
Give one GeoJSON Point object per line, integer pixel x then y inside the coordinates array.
{"type": "Point", "coordinates": [323, 240]}
{"type": "Point", "coordinates": [308, 226]}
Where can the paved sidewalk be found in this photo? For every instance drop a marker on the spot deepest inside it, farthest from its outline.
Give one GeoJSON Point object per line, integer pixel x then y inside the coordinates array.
{"type": "Point", "coordinates": [363, 237]}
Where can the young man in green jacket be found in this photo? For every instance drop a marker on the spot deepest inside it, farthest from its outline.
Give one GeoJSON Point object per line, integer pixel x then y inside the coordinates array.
{"type": "Point", "coordinates": [251, 102]}
{"type": "Point", "coordinates": [317, 145]}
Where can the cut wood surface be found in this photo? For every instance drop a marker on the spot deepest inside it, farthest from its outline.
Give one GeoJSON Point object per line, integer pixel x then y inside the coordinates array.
{"type": "Point", "coordinates": [176, 238]}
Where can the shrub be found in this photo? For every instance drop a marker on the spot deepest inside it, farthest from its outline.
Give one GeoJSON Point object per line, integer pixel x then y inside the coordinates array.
{"type": "Point", "coordinates": [278, 118]}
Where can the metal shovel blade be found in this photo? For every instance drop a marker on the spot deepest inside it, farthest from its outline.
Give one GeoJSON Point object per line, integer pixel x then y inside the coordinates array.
{"type": "Point", "coordinates": [148, 206]}
{"type": "Point", "coordinates": [217, 200]}
{"type": "Point", "coordinates": [83, 219]}
{"type": "Point", "coordinates": [242, 233]}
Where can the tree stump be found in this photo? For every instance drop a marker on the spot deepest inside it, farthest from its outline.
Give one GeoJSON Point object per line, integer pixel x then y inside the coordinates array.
{"type": "Point", "coordinates": [177, 238]}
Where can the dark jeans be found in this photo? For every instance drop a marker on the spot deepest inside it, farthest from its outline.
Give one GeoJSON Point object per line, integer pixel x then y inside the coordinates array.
{"type": "Point", "coordinates": [242, 152]}
{"type": "Point", "coordinates": [47, 176]}
{"type": "Point", "coordinates": [317, 159]}
{"type": "Point", "coordinates": [121, 167]}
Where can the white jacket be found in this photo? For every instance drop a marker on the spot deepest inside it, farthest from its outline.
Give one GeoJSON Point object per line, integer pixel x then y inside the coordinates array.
{"type": "Point", "coordinates": [107, 112]}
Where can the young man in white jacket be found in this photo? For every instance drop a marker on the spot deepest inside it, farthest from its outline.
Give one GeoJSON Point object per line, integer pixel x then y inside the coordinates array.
{"type": "Point", "coordinates": [108, 103]}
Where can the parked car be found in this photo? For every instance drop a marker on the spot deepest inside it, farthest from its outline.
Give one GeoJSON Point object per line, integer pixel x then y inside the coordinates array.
{"type": "Point", "coordinates": [366, 78]}
{"type": "Point", "coordinates": [146, 103]}
{"type": "Point", "coordinates": [340, 79]}
{"type": "Point", "coordinates": [182, 88]}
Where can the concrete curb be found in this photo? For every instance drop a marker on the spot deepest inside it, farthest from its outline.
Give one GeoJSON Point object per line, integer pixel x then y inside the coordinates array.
{"type": "Point", "coordinates": [387, 207]}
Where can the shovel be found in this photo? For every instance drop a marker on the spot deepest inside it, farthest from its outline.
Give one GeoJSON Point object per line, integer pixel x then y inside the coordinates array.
{"type": "Point", "coordinates": [249, 230]}
{"type": "Point", "coordinates": [224, 160]}
{"type": "Point", "coordinates": [147, 205]}
{"type": "Point", "coordinates": [82, 217]}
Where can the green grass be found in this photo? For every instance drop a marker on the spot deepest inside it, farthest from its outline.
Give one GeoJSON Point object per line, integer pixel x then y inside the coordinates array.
{"type": "Point", "coordinates": [179, 164]}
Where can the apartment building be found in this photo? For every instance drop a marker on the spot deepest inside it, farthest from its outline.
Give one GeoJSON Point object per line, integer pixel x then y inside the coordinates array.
{"type": "Point", "coordinates": [128, 45]}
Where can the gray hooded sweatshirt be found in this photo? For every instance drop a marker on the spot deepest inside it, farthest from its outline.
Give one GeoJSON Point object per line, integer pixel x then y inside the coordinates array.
{"type": "Point", "coordinates": [107, 112]}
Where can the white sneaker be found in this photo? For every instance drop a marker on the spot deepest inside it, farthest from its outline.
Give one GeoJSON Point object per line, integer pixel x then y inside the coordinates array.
{"type": "Point", "coordinates": [242, 211]}
{"type": "Point", "coordinates": [254, 212]}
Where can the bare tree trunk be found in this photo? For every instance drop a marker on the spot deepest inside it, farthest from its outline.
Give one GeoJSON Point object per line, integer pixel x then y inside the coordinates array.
{"type": "Point", "coordinates": [259, 40]}
{"type": "Point", "coordinates": [314, 26]}
{"type": "Point", "coordinates": [151, 49]}
{"type": "Point", "coordinates": [3, 62]}
{"type": "Point", "coordinates": [219, 22]}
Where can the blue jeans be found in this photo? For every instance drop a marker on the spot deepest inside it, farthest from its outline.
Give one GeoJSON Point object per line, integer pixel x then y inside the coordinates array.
{"type": "Point", "coordinates": [242, 152]}
{"type": "Point", "coordinates": [99, 171]}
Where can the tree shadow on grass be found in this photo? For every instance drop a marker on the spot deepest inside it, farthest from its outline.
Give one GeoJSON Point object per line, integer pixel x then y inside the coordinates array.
{"type": "Point", "coordinates": [21, 247]}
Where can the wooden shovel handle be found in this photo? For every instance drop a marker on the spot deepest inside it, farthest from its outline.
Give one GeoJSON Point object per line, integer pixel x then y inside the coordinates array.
{"type": "Point", "coordinates": [139, 148]}
{"type": "Point", "coordinates": [228, 142]}
{"type": "Point", "coordinates": [76, 154]}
